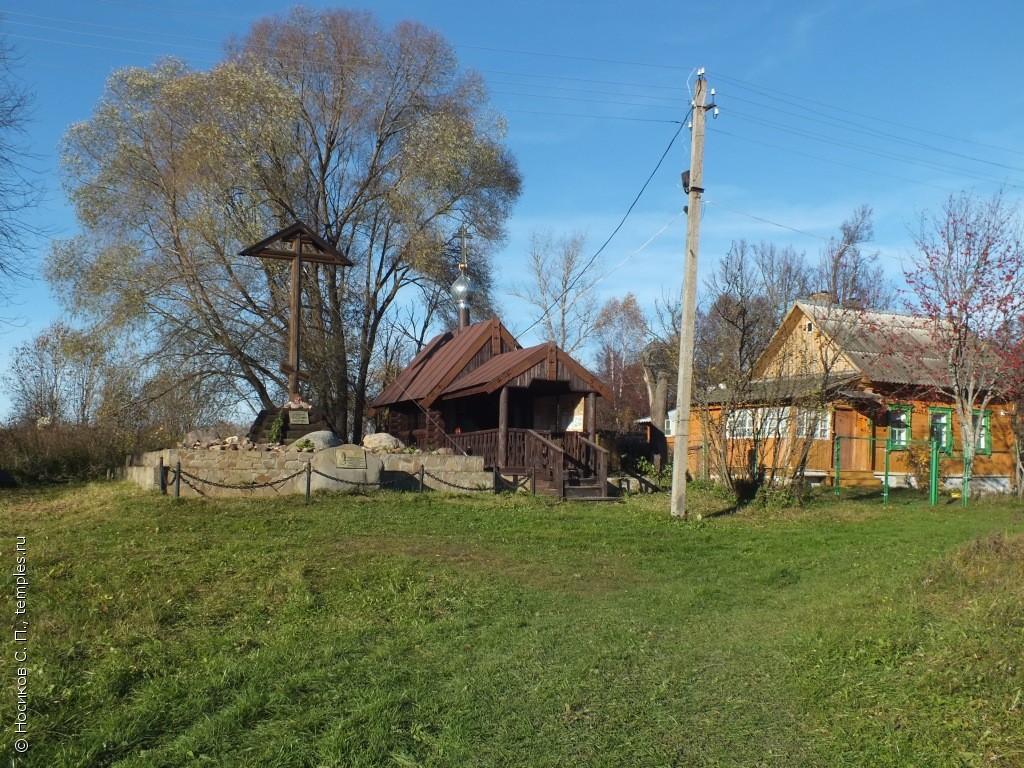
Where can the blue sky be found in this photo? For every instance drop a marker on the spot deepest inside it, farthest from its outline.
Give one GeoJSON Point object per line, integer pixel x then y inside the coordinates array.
{"type": "Point", "coordinates": [824, 106]}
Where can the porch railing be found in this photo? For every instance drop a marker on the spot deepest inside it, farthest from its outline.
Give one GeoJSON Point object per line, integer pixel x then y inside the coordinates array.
{"type": "Point", "coordinates": [539, 450]}
{"type": "Point", "coordinates": [483, 443]}
{"type": "Point", "coordinates": [546, 458]}
{"type": "Point", "coordinates": [589, 458]}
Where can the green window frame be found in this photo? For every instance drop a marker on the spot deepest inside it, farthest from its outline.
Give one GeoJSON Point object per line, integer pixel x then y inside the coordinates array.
{"type": "Point", "coordinates": [898, 437]}
{"type": "Point", "coordinates": [946, 445]}
{"type": "Point", "coordinates": [983, 446]}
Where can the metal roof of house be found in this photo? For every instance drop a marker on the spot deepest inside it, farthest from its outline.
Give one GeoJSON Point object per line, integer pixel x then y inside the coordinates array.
{"type": "Point", "coordinates": [444, 366]}
{"type": "Point", "coordinates": [501, 369]}
{"type": "Point", "coordinates": [438, 363]}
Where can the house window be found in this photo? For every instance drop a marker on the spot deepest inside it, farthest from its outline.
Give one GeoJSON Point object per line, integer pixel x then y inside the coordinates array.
{"type": "Point", "coordinates": [739, 425]}
{"type": "Point", "coordinates": [774, 422]}
{"type": "Point", "coordinates": [808, 327]}
{"type": "Point", "coordinates": [812, 423]}
{"type": "Point", "coordinates": [899, 427]}
{"type": "Point", "coordinates": [983, 432]}
{"type": "Point", "coordinates": [941, 428]}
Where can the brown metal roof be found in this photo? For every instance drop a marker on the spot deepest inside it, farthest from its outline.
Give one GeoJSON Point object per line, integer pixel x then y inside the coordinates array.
{"type": "Point", "coordinates": [435, 371]}
{"type": "Point", "coordinates": [498, 371]}
{"type": "Point", "coordinates": [501, 367]}
{"type": "Point", "coordinates": [440, 361]}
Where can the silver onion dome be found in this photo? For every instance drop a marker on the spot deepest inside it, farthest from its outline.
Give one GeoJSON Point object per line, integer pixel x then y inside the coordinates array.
{"type": "Point", "coordinates": [462, 290]}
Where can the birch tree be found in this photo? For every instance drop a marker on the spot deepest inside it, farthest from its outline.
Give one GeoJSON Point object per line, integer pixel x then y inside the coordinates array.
{"type": "Point", "coordinates": [558, 288]}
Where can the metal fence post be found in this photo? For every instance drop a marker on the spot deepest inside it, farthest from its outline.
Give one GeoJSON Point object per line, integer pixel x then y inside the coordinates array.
{"type": "Point", "coordinates": [163, 477]}
{"type": "Point", "coordinates": [885, 485]}
{"type": "Point", "coordinates": [309, 478]}
{"type": "Point", "coordinates": [177, 480]}
{"type": "Point", "coordinates": [933, 475]}
{"type": "Point", "coordinates": [422, 469]}
{"type": "Point", "coordinates": [835, 461]}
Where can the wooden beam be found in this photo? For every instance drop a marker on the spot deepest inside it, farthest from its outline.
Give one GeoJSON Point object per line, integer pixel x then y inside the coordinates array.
{"type": "Point", "coordinates": [590, 416]}
{"type": "Point", "coordinates": [503, 427]}
{"type": "Point", "coordinates": [315, 256]}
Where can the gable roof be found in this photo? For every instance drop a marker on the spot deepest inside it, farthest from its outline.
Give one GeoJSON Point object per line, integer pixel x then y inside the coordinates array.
{"type": "Point", "coordinates": [883, 346]}
{"type": "Point", "coordinates": [309, 244]}
{"type": "Point", "coordinates": [482, 358]}
{"type": "Point", "coordinates": [502, 369]}
{"type": "Point", "coordinates": [443, 358]}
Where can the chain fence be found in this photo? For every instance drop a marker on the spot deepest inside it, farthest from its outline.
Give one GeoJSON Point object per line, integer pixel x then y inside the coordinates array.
{"type": "Point", "coordinates": [174, 476]}
{"type": "Point", "coordinates": [354, 483]}
{"type": "Point", "coordinates": [473, 489]}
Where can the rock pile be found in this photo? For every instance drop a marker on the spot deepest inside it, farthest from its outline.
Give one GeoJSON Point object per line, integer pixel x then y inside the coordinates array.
{"type": "Point", "coordinates": [210, 440]}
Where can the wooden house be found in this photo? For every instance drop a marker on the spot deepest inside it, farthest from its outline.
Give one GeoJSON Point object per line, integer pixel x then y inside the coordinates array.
{"type": "Point", "coordinates": [527, 411]}
{"type": "Point", "coordinates": [852, 390]}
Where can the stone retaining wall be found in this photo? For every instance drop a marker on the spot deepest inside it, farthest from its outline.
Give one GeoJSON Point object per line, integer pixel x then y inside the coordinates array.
{"type": "Point", "coordinates": [252, 472]}
{"type": "Point", "coordinates": [453, 474]}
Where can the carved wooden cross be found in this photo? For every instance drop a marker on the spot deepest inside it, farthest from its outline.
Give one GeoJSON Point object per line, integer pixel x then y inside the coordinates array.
{"type": "Point", "coordinates": [298, 244]}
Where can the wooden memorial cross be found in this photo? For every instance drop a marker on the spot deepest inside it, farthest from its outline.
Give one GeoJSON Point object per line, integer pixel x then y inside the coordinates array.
{"type": "Point", "coordinates": [298, 244]}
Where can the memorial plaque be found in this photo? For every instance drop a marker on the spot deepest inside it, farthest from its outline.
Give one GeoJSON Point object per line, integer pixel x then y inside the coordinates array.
{"type": "Point", "coordinates": [298, 417]}
{"type": "Point", "coordinates": [350, 458]}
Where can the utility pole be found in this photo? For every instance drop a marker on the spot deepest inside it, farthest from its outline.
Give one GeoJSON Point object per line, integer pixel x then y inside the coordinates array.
{"type": "Point", "coordinates": [694, 189]}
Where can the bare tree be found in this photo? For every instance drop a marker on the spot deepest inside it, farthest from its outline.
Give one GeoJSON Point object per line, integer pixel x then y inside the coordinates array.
{"type": "Point", "coordinates": [559, 287]}
{"type": "Point", "coordinates": [849, 274]}
{"type": "Point", "coordinates": [621, 334]}
{"type": "Point", "coordinates": [19, 191]}
{"type": "Point", "coordinates": [57, 376]}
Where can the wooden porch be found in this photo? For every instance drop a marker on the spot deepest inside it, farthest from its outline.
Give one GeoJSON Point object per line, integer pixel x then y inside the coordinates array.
{"type": "Point", "coordinates": [564, 465]}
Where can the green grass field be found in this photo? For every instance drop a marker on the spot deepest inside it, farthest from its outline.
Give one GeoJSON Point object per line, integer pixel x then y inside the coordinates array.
{"type": "Point", "coordinates": [409, 630]}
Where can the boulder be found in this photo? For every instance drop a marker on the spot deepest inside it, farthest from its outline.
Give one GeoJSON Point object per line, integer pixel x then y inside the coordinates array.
{"type": "Point", "coordinates": [382, 442]}
{"type": "Point", "coordinates": [205, 437]}
{"type": "Point", "coordinates": [320, 440]}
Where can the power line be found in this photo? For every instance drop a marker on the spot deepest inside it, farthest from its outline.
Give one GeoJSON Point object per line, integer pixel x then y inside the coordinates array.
{"type": "Point", "coordinates": [759, 88]}
{"type": "Point", "coordinates": [837, 122]}
{"type": "Point", "coordinates": [674, 100]}
{"type": "Point", "coordinates": [786, 226]}
{"type": "Point", "coordinates": [590, 262]}
{"type": "Point", "coordinates": [933, 165]}
{"type": "Point", "coordinates": [719, 132]}
{"type": "Point", "coordinates": [589, 101]}
{"type": "Point", "coordinates": [590, 117]}
{"type": "Point", "coordinates": [190, 38]}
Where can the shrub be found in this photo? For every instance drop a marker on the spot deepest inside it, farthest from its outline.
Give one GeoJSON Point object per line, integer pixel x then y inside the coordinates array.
{"type": "Point", "coordinates": [60, 453]}
{"type": "Point", "coordinates": [919, 458]}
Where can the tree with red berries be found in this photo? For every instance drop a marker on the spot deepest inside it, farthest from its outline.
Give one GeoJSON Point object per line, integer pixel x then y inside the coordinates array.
{"type": "Point", "coordinates": [967, 278]}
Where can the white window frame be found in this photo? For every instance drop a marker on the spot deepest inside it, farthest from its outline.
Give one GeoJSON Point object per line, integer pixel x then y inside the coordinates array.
{"type": "Point", "coordinates": [774, 422]}
{"type": "Point", "coordinates": [899, 436]}
{"type": "Point", "coordinates": [739, 425]}
{"type": "Point", "coordinates": [814, 423]}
